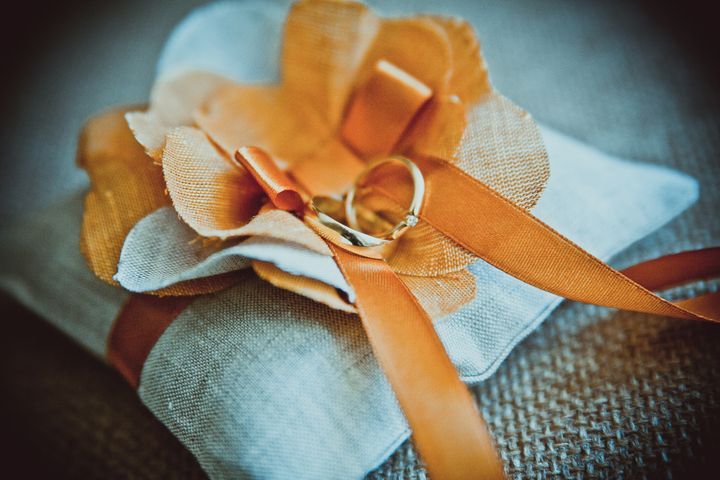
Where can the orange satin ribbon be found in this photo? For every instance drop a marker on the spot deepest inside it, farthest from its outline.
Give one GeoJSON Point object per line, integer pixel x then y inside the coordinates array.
{"type": "Point", "coordinates": [281, 190]}
{"type": "Point", "coordinates": [516, 242]}
{"type": "Point", "coordinates": [448, 430]}
{"type": "Point", "coordinates": [137, 329]}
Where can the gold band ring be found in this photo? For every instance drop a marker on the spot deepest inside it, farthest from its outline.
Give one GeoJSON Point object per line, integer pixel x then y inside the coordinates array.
{"type": "Point", "coordinates": [413, 211]}
{"type": "Point", "coordinates": [352, 235]}
{"type": "Point", "coordinates": [343, 233]}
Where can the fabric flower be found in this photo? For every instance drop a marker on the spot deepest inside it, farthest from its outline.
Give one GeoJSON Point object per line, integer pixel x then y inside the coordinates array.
{"type": "Point", "coordinates": [197, 120]}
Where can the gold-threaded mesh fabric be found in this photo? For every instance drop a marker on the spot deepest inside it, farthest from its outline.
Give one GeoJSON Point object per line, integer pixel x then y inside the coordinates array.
{"type": "Point", "coordinates": [502, 147]}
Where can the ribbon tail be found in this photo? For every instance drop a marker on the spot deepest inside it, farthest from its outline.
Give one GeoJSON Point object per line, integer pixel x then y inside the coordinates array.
{"type": "Point", "coordinates": [676, 269]}
{"type": "Point", "coordinates": [513, 240]}
{"type": "Point", "coordinates": [448, 430]}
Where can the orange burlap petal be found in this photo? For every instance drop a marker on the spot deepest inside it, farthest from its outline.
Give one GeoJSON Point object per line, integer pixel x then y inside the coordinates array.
{"type": "Point", "coordinates": [307, 287]}
{"type": "Point", "coordinates": [423, 251]}
{"type": "Point", "coordinates": [329, 170]}
{"type": "Point", "coordinates": [469, 77]}
{"type": "Point", "coordinates": [443, 294]}
{"type": "Point", "coordinates": [125, 187]}
{"type": "Point", "coordinates": [417, 45]}
{"type": "Point", "coordinates": [173, 102]}
{"type": "Point", "coordinates": [270, 118]}
{"type": "Point", "coordinates": [212, 195]}
{"type": "Point", "coordinates": [485, 134]}
{"type": "Point", "coordinates": [324, 45]}
{"type": "Point", "coordinates": [437, 130]}
{"type": "Point", "coordinates": [502, 147]}
{"type": "Point", "coordinates": [265, 116]}
{"type": "Point", "coordinates": [418, 251]}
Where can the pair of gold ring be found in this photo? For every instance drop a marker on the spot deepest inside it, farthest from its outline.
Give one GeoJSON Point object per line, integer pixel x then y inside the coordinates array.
{"type": "Point", "coordinates": [352, 234]}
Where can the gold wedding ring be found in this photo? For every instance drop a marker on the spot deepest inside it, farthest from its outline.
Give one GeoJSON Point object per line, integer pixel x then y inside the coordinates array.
{"type": "Point", "coordinates": [346, 234]}
{"type": "Point", "coordinates": [413, 211]}
{"type": "Point", "coordinates": [352, 234]}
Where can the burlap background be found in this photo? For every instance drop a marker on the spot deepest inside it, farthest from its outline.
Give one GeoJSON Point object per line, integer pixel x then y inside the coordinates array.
{"type": "Point", "coordinates": [590, 394]}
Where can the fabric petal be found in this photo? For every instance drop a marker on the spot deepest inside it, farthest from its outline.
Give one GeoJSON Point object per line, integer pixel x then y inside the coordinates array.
{"type": "Point", "coordinates": [502, 147]}
{"type": "Point", "coordinates": [307, 287]}
{"type": "Point", "coordinates": [124, 187]}
{"type": "Point", "coordinates": [437, 130]}
{"type": "Point", "coordinates": [238, 40]}
{"type": "Point", "coordinates": [424, 251]}
{"type": "Point", "coordinates": [469, 78]}
{"type": "Point", "coordinates": [442, 295]}
{"type": "Point", "coordinates": [324, 45]}
{"type": "Point", "coordinates": [329, 170]}
{"type": "Point", "coordinates": [296, 260]}
{"type": "Point", "coordinates": [263, 116]}
{"type": "Point", "coordinates": [209, 193]}
{"type": "Point", "coordinates": [161, 251]}
{"type": "Point", "coordinates": [172, 103]}
{"type": "Point", "coordinates": [417, 45]}
{"type": "Point", "coordinates": [282, 225]}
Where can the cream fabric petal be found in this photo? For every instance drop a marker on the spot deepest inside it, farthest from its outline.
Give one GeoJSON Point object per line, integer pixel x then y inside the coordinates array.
{"type": "Point", "coordinates": [161, 251]}
{"type": "Point", "coordinates": [209, 193]}
{"type": "Point", "coordinates": [238, 40]}
{"type": "Point", "coordinates": [125, 186]}
{"type": "Point", "coordinates": [173, 101]}
{"type": "Point", "coordinates": [307, 287]}
{"type": "Point", "coordinates": [296, 260]}
{"type": "Point", "coordinates": [283, 225]}
{"type": "Point", "coordinates": [324, 45]}
{"type": "Point", "coordinates": [149, 131]}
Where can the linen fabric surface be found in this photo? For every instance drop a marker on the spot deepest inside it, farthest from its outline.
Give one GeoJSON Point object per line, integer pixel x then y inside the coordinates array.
{"type": "Point", "coordinates": [297, 378]}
